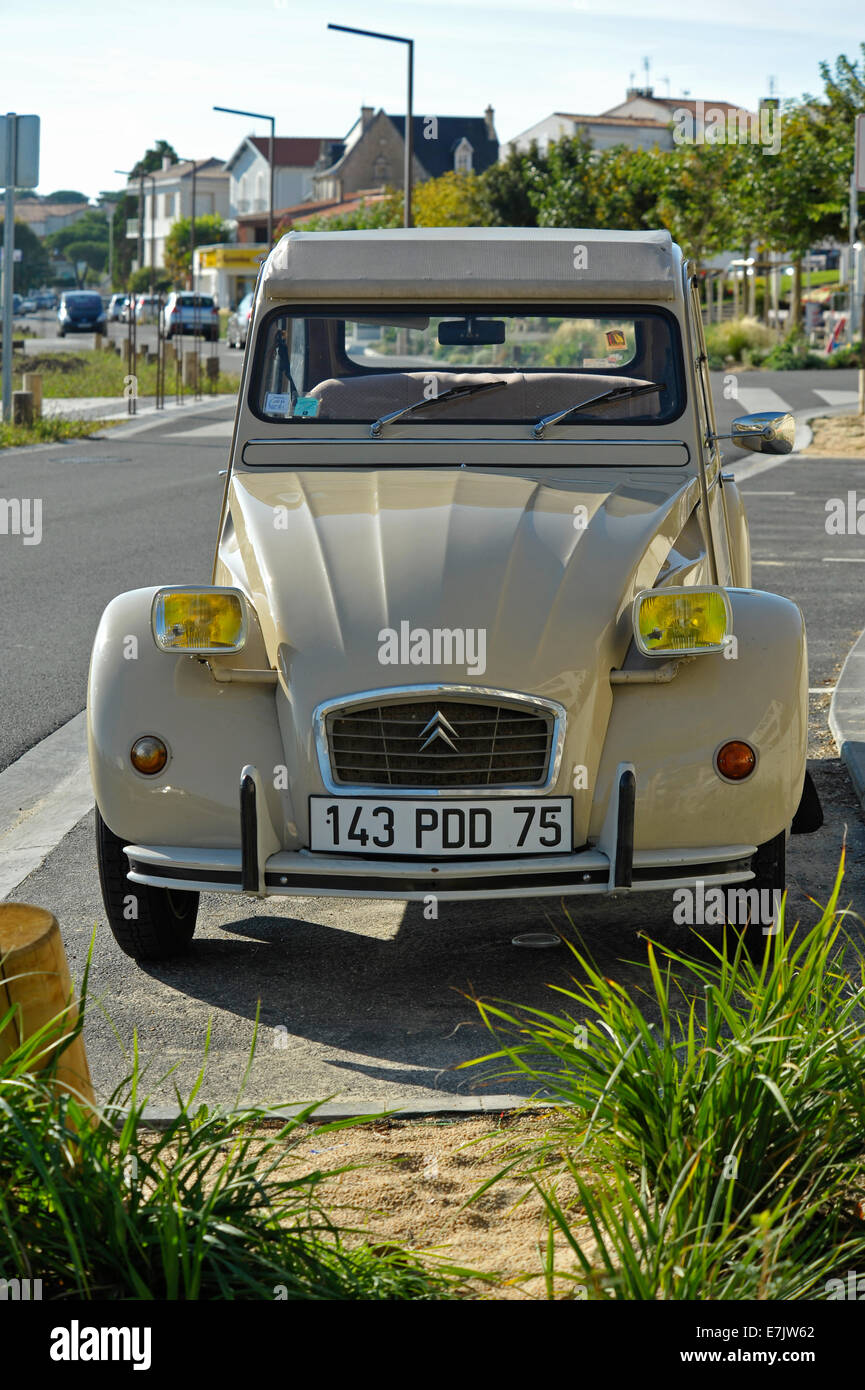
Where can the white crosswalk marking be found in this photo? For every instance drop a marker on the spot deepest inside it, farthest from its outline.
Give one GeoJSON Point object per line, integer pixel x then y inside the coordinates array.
{"type": "Point", "coordinates": [757, 398]}
{"type": "Point", "coordinates": [837, 397]}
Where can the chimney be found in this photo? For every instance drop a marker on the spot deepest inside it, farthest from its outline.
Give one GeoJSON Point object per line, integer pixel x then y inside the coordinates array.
{"type": "Point", "coordinates": [166, 161]}
{"type": "Point", "coordinates": [489, 118]}
{"type": "Point", "coordinates": [366, 115]}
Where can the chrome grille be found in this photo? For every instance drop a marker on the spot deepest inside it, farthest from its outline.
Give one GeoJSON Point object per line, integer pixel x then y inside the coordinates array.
{"type": "Point", "coordinates": [439, 743]}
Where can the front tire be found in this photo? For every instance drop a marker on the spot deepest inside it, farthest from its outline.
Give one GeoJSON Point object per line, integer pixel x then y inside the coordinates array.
{"type": "Point", "coordinates": [770, 879]}
{"type": "Point", "coordinates": [164, 918]}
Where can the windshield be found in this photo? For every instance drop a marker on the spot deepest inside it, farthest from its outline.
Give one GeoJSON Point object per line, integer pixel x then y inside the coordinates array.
{"type": "Point", "coordinates": [357, 367]}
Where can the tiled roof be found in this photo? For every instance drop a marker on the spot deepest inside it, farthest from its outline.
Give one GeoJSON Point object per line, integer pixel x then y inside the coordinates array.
{"type": "Point", "coordinates": [291, 152]}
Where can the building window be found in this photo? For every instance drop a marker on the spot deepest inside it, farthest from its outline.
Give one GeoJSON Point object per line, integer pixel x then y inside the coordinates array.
{"type": "Point", "coordinates": [463, 157]}
{"type": "Point", "coordinates": [381, 169]}
{"type": "Point", "coordinates": [168, 204]}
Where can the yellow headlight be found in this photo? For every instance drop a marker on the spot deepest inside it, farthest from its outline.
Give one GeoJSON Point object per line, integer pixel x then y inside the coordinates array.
{"type": "Point", "coordinates": [685, 620]}
{"type": "Point", "coordinates": [206, 622]}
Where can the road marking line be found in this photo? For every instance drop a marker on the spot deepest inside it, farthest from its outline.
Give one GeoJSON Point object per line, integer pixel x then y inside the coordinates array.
{"type": "Point", "coordinates": [844, 559]}
{"type": "Point", "coordinates": [770, 494]}
{"type": "Point", "coordinates": [760, 398]}
{"type": "Point", "coordinates": [821, 689]}
{"type": "Point", "coordinates": [42, 796]}
{"type": "Point", "coordinates": [832, 397]}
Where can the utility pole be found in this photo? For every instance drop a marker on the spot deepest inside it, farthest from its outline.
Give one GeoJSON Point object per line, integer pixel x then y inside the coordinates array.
{"type": "Point", "coordinates": [8, 260]}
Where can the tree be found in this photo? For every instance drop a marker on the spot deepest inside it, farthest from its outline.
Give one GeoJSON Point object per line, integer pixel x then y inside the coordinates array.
{"type": "Point", "coordinates": [208, 230]}
{"type": "Point", "coordinates": [563, 189]}
{"type": "Point", "coordinates": [141, 280]}
{"type": "Point", "coordinates": [91, 226]}
{"type": "Point", "coordinates": [34, 268]}
{"type": "Point", "coordinates": [94, 253]}
{"type": "Point", "coordinates": [452, 200]}
{"type": "Point", "coordinates": [384, 212]}
{"type": "Point", "coordinates": [699, 196]}
{"type": "Point", "coordinates": [152, 159]}
{"type": "Point", "coordinates": [66, 195]}
{"type": "Point", "coordinates": [504, 188]}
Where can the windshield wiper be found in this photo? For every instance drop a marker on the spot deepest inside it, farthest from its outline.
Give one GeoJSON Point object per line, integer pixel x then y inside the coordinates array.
{"type": "Point", "coordinates": [615, 393]}
{"type": "Point", "coordinates": [451, 394]}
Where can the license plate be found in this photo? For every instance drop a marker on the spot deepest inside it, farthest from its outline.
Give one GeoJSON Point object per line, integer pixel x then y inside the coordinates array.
{"type": "Point", "coordinates": [475, 826]}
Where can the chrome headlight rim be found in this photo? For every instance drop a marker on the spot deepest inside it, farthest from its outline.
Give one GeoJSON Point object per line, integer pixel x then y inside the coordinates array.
{"type": "Point", "coordinates": [157, 630]}
{"type": "Point", "coordinates": [680, 653]}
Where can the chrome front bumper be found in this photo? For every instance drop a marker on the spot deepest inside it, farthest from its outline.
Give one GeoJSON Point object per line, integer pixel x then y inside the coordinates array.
{"type": "Point", "coordinates": [612, 866]}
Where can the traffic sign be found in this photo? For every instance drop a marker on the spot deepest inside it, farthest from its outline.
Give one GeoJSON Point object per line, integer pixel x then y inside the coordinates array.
{"type": "Point", "coordinates": [24, 172]}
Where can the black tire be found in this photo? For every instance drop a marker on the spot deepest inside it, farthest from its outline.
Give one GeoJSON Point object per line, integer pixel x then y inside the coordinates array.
{"type": "Point", "coordinates": [165, 920]}
{"type": "Point", "coordinates": [770, 879]}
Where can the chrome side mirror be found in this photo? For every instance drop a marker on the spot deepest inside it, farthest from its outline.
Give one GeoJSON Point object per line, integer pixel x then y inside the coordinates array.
{"type": "Point", "coordinates": [763, 433]}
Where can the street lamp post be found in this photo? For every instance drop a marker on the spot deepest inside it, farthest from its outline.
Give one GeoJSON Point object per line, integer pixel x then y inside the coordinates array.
{"type": "Point", "coordinates": [409, 119]}
{"type": "Point", "coordinates": [258, 116]}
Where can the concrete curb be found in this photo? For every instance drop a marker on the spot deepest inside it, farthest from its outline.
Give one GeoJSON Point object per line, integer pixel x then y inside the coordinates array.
{"type": "Point", "coordinates": [462, 1107]}
{"type": "Point", "coordinates": [847, 715]}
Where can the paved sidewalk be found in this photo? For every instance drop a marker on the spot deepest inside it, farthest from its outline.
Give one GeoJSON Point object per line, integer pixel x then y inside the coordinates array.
{"type": "Point", "coordinates": [115, 407]}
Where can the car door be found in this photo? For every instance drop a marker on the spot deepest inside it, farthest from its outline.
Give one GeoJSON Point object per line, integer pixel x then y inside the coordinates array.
{"type": "Point", "coordinates": [714, 499]}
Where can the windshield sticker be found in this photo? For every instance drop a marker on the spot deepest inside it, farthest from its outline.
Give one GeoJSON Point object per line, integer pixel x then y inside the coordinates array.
{"type": "Point", "coordinates": [616, 338]}
{"type": "Point", "coordinates": [276, 403]}
{"type": "Point", "coordinates": [306, 405]}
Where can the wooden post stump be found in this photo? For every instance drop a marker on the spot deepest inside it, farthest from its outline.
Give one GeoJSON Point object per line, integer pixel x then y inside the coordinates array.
{"type": "Point", "coordinates": [32, 382]}
{"type": "Point", "coordinates": [190, 369]}
{"type": "Point", "coordinates": [22, 408]}
{"type": "Point", "coordinates": [34, 975]}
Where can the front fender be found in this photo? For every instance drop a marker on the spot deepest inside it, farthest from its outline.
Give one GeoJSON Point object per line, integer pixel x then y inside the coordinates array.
{"type": "Point", "coordinates": [211, 730]}
{"type": "Point", "coordinates": [671, 732]}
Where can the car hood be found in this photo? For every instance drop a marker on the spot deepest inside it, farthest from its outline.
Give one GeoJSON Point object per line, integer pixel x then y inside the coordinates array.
{"type": "Point", "coordinates": [345, 569]}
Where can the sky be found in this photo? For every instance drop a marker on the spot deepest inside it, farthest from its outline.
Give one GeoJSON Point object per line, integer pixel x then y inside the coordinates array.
{"type": "Point", "coordinates": [108, 79]}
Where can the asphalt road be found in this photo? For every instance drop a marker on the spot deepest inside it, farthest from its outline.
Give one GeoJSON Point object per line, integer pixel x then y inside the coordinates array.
{"type": "Point", "coordinates": [365, 999]}
{"type": "Point", "coordinates": [44, 326]}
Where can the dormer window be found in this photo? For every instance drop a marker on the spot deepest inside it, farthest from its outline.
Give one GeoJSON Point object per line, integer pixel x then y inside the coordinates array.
{"type": "Point", "coordinates": [464, 156]}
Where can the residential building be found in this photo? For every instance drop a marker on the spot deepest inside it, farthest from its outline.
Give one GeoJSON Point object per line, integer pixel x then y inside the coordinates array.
{"type": "Point", "coordinates": [252, 228]}
{"type": "Point", "coordinates": [168, 196]}
{"type": "Point", "coordinates": [643, 121]}
{"type": "Point", "coordinates": [373, 152]}
{"type": "Point", "coordinates": [44, 218]}
{"type": "Point", "coordinates": [294, 159]}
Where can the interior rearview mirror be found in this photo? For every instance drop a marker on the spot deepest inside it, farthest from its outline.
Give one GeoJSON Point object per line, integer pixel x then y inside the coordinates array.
{"type": "Point", "coordinates": [470, 330]}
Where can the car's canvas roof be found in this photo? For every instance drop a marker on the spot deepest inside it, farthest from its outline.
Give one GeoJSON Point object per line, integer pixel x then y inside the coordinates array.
{"type": "Point", "coordinates": [472, 262]}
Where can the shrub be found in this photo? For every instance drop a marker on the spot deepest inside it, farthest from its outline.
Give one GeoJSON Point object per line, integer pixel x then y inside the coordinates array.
{"type": "Point", "coordinates": [792, 354]}
{"type": "Point", "coordinates": [207, 1208]}
{"type": "Point", "coordinates": [730, 341]}
{"type": "Point", "coordinates": [726, 1133]}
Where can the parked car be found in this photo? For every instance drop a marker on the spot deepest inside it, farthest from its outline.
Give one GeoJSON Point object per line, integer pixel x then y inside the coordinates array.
{"type": "Point", "coordinates": [116, 305]}
{"type": "Point", "coordinates": [17, 301]}
{"type": "Point", "coordinates": [147, 308]}
{"type": "Point", "coordinates": [480, 622]}
{"type": "Point", "coordinates": [28, 305]}
{"type": "Point", "coordinates": [188, 314]}
{"type": "Point", "coordinates": [237, 327]}
{"type": "Point", "coordinates": [46, 299]}
{"type": "Point", "coordinates": [81, 311]}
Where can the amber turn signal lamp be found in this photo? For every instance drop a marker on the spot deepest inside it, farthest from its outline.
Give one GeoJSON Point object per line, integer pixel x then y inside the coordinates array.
{"type": "Point", "coordinates": [148, 755]}
{"type": "Point", "coordinates": [735, 760]}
